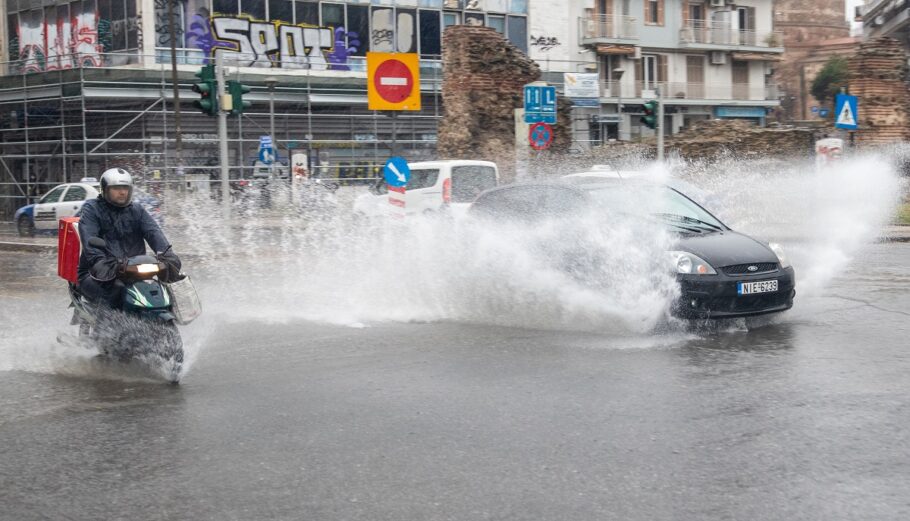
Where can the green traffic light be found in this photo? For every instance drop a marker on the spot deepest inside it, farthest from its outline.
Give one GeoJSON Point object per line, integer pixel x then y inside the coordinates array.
{"type": "Point", "coordinates": [206, 87]}
{"type": "Point", "coordinates": [237, 90]}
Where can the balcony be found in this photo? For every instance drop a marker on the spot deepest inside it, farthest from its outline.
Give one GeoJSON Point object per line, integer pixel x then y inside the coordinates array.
{"type": "Point", "coordinates": [715, 36]}
{"type": "Point", "coordinates": [608, 29]}
{"type": "Point", "coordinates": [698, 92]}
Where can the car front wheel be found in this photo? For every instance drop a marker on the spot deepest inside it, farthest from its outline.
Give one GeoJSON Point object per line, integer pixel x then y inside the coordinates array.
{"type": "Point", "coordinates": [25, 227]}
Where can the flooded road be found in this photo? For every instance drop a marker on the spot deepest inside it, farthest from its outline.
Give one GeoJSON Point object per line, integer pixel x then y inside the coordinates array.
{"type": "Point", "coordinates": [290, 418]}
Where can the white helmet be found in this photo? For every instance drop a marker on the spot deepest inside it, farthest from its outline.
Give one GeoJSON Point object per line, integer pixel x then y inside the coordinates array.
{"type": "Point", "coordinates": [116, 177]}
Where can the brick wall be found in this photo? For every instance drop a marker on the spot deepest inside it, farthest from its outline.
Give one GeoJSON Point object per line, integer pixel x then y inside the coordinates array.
{"type": "Point", "coordinates": [483, 78]}
{"type": "Point", "coordinates": [878, 77]}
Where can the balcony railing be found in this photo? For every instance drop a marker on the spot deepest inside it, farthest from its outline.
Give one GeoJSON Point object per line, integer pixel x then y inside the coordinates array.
{"type": "Point", "coordinates": [608, 27]}
{"type": "Point", "coordinates": [690, 91]}
{"type": "Point", "coordinates": [701, 32]}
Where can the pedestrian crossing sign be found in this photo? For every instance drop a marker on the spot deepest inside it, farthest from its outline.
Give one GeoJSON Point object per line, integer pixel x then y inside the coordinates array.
{"type": "Point", "coordinates": [845, 111]}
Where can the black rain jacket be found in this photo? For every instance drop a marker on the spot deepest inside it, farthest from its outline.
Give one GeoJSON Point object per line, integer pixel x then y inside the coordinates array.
{"type": "Point", "coordinates": [125, 230]}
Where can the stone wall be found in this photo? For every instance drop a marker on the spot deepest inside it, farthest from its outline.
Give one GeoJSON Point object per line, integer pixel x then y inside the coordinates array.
{"type": "Point", "coordinates": [878, 77]}
{"type": "Point", "coordinates": [483, 80]}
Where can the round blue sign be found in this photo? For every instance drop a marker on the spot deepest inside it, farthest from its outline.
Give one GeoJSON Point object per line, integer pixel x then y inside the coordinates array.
{"type": "Point", "coordinates": [396, 171]}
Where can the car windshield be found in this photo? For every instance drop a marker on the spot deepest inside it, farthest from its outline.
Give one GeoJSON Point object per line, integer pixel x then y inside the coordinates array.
{"type": "Point", "coordinates": [655, 201]}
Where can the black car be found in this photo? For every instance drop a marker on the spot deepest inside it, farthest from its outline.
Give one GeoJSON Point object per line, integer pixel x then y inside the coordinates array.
{"type": "Point", "coordinates": [721, 273]}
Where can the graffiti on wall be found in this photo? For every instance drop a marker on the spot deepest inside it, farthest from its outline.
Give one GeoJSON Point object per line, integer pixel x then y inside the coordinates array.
{"type": "Point", "coordinates": [545, 43]}
{"type": "Point", "coordinates": [255, 43]}
{"type": "Point", "coordinates": [392, 32]}
{"type": "Point", "coordinates": [58, 38]}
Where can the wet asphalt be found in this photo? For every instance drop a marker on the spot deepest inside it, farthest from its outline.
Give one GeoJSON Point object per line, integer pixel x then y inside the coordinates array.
{"type": "Point", "coordinates": [806, 418]}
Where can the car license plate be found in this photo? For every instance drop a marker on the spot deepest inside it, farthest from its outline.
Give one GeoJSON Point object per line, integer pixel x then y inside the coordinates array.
{"type": "Point", "coordinates": [751, 288]}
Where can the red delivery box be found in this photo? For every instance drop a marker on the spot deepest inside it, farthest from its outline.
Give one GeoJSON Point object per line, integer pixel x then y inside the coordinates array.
{"type": "Point", "coordinates": [68, 248]}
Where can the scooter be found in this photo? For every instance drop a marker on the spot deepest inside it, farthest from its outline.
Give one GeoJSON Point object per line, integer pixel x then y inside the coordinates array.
{"type": "Point", "coordinates": [145, 328]}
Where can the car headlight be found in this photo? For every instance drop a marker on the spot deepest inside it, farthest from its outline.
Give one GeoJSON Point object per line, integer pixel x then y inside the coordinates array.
{"type": "Point", "coordinates": [781, 257]}
{"type": "Point", "coordinates": [689, 264]}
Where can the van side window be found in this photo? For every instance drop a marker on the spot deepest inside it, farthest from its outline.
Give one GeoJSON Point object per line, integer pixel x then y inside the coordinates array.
{"type": "Point", "coordinates": [422, 179]}
{"type": "Point", "coordinates": [469, 181]}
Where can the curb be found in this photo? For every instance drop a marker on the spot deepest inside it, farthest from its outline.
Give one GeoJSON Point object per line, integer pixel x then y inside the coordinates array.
{"type": "Point", "coordinates": [26, 246]}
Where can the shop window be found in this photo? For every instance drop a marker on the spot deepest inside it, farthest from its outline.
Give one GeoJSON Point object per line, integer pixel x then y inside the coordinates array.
{"type": "Point", "coordinates": [281, 11]}
{"type": "Point", "coordinates": [306, 13]}
{"type": "Point", "coordinates": [254, 8]}
{"type": "Point", "coordinates": [430, 34]}
{"type": "Point", "coordinates": [359, 29]}
{"type": "Point", "coordinates": [226, 6]}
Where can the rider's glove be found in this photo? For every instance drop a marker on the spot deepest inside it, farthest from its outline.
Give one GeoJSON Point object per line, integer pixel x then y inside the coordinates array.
{"type": "Point", "coordinates": [107, 269]}
{"type": "Point", "coordinates": [172, 265]}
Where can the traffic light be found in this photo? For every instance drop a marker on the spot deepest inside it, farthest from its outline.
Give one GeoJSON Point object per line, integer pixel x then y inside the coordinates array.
{"type": "Point", "coordinates": [650, 117]}
{"type": "Point", "coordinates": [207, 88]}
{"type": "Point", "coordinates": [237, 90]}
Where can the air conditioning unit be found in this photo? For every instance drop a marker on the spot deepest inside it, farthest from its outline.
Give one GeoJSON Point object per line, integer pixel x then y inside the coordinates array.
{"type": "Point", "coordinates": [718, 3]}
{"type": "Point", "coordinates": [718, 58]}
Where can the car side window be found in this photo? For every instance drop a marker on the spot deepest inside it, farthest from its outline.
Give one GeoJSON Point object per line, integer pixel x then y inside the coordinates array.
{"type": "Point", "coordinates": [75, 193]}
{"type": "Point", "coordinates": [528, 203]}
{"type": "Point", "coordinates": [469, 181]}
{"type": "Point", "coordinates": [53, 196]}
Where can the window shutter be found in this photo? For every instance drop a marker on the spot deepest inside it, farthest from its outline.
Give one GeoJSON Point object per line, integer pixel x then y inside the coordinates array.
{"type": "Point", "coordinates": [660, 12]}
{"type": "Point", "coordinates": [661, 68]}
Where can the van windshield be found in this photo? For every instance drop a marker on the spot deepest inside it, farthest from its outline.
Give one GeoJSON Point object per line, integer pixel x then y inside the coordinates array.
{"type": "Point", "coordinates": [469, 181]}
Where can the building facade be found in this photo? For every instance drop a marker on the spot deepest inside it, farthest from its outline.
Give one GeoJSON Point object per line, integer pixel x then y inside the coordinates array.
{"type": "Point", "coordinates": [706, 60]}
{"type": "Point", "coordinates": [87, 84]}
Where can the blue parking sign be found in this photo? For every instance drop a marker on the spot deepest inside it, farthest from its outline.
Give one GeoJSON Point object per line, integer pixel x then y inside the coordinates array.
{"type": "Point", "coordinates": [540, 104]}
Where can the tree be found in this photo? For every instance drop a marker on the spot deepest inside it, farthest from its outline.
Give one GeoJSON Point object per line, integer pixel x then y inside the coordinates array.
{"type": "Point", "coordinates": [830, 79]}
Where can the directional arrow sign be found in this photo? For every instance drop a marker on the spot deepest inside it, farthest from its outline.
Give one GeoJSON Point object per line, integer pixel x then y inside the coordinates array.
{"type": "Point", "coordinates": [396, 171]}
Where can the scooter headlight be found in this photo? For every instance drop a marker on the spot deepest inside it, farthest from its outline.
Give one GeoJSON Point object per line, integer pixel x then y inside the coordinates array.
{"type": "Point", "coordinates": [689, 264]}
{"type": "Point", "coordinates": [144, 269]}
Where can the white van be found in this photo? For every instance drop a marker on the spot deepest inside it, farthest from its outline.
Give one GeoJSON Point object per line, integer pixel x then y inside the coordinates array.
{"type": "Point", "coordinates": [434, 185]}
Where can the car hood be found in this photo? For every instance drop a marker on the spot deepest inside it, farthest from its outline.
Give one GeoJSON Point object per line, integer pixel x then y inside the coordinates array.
{"type": "Point", "coordinates": [726, 248]}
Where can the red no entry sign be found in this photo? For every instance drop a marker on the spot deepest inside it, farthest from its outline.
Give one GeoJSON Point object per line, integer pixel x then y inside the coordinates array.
{"type": "Point", "coordinates": [393, 81]}
{"type": "Point", "coordinates": [540, 135]}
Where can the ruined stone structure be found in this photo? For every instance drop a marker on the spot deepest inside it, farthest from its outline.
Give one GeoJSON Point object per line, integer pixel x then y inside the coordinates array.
{"type": "Point", "coordinates": [483, 80]}
{"type": "Point", "coordinates": [813, 31]}
{"type": "Point", "coordinates": [878, 76]}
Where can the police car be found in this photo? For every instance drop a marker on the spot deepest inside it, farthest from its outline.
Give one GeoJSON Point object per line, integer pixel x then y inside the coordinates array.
{"type": "Point", "coordinates": [65, 200]}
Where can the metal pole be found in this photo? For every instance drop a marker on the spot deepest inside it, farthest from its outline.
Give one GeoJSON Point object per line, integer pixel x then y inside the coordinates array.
{"type": "Point", "coordinates": [222, 139]}
{"type": "Point", "coordinates": [660, 126]}
{"type": "Point", "coordinates": [394, 133]}
{"type": "Point", "coordinates": [172, 30]}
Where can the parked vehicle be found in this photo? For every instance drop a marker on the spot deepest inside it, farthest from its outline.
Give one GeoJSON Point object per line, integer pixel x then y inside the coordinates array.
{"type": "Point", "coordinates": [65, 200]}
{"type": "Point", "coordinates": [721, 273]}
{"type": "Point", "coordinates": [449, 185]}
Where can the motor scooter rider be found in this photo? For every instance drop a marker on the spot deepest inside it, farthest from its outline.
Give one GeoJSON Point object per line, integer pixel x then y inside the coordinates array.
{"type": "Point", "coordinates": [125, 226]}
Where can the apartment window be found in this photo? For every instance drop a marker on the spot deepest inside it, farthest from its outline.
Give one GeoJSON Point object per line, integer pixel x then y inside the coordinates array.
{"type": "Point", "coordinates": [226, 6]}
{"type": "Point", "coordinates": [307, 13]}
{"type": "Point", "coordinates": [695, 77]}
{"type": "Point", "coordinates": [697, 12]}
{"type": "Point", "coordinates": [256, 10]}
{"type": "Point", "coordinates": [430, 33]}
{"type": "Point", "coordinates": [281, 10]}
{"type": "Point", "coordinates": [518, 32]}
{"type": "Point", "coordinates": [359, 24]}
{"type": "Point", "coordinates": [451, 19]}
{"type": "Point", "coordinates": [497, 22]}
{"type": "Point", "coordinates": [654, 12]}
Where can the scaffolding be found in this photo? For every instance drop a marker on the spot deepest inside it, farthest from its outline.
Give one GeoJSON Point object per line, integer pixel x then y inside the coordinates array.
{"type": "Point", "coordinates": [63, 125]}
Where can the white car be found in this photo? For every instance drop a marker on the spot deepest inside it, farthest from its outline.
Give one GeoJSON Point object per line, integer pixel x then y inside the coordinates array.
{"type": "Point", "coordinates": [65, 200]}
{"type": "Point", "coordinates": [434, 185]}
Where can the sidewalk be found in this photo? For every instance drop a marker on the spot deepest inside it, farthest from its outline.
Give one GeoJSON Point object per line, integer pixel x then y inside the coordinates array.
{"type": "Point", "coordinates": [10, 240]}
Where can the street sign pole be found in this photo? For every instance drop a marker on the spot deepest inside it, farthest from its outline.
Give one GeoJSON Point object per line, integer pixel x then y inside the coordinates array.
{"type": "Point", "coordinates": [222, 138]}
{"type": "Point", "coordinates": [660, 126]}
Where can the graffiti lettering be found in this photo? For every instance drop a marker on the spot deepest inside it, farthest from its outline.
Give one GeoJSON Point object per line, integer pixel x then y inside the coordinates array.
{"type": "Point", "coordinates": [253, 43]}
{"type": "Point", "coordinates": [383, 37]}
{"type": "Point", "coordinates": [545, 43]}
{"type": "Point", "coordinates": [54, 42]}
